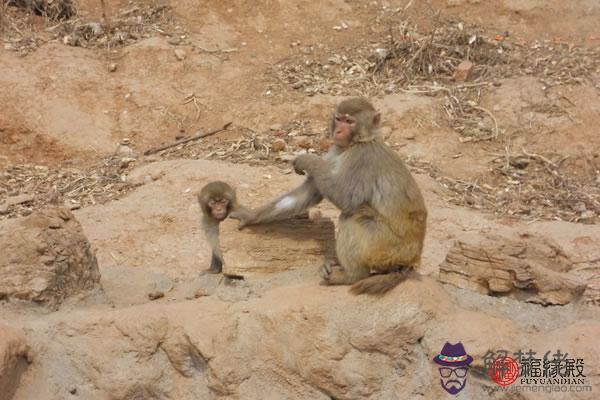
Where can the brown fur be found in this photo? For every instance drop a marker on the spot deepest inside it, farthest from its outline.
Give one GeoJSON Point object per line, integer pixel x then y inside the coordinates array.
{"type": "Point", "coordinates": [301, 199]}
{"type": "Point", "coordinates": [383, 215]}
{"type": "Point", "coordinates": [379, 284]}
{"type": "Point", "coordinates": [216, 191]}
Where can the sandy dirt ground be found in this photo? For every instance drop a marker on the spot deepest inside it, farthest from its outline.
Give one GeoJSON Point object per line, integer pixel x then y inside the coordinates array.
{"type": "Point", "coordinates": [513, 149]}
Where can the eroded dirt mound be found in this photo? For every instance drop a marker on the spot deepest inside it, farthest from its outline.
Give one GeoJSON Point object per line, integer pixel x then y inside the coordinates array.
{"type": "Point", "coordinates": [47, 258]}
{"type": "Point", "coordinates": [15, 355]}
{"type": "Point", "coordinates": [493, 105]}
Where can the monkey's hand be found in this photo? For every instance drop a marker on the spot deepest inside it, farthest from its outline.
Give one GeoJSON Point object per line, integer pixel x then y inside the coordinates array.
{"type": "Point", "coordinates": [243, 215]}
{"type": "Point", "coordinates": [304, 162]}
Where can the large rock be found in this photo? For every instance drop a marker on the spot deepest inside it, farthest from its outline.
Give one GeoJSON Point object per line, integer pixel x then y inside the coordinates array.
{"type": "Point", "coordinates": [530, 268]}
{"type": "Point", "coordinates": [301, 342]}
{"type": "Point", "coordinates": [259, 250]}
{"type": "Point", "coordinates": [46, 257]}
{"type": "Point", "coordinates": [14, 359]}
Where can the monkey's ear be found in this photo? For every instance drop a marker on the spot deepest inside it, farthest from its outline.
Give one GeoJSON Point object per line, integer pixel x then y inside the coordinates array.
{"type": "Point", "coordinates": [376, 120]}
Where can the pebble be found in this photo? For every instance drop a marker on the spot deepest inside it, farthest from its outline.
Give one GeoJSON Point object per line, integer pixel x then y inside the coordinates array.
{"type": "Point", "coordinates": [278, 145]}
{"type": "Point", "coordinates": [156, 294]}
{"type": "Point", "coordinates": [408, 135]}
{"type": "Point", "coordinates": [302, 142]}
{"type": "Point", "coordinates": [20, 199]}
{"type": "Point", "coordinates": [180, 54]}
{"type": "Point", "coordinates": [96, 28]}
{"type": "Point", "coordinates": [463, 71]}
{"type": "Point", "coordinates": [112, 67]}
{"type": "Point", "coordinates": [72, 205]}
{"type": "Point", "coordinates": [125, 161]}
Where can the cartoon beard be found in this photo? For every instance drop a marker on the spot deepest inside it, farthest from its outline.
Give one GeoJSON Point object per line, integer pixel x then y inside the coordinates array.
{"type": "Point", "coordinates": [453, 386]}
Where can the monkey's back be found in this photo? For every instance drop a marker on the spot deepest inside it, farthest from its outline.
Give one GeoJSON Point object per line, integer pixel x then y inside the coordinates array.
{"type": "Point", "coordinates": [393, 195]}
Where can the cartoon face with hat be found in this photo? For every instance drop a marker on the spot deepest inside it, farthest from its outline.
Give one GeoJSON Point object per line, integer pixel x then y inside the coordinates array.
{"type": "Point", "coordinates": [454, 362]}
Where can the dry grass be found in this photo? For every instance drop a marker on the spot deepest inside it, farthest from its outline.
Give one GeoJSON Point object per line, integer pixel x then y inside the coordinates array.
{"type": "Point", "coordinates": [75, 187]}
{"type": "Point", "coordinates": [26, 28]}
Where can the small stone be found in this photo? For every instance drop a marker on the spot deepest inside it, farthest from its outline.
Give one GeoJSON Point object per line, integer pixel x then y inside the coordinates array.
{"type": "Point", "coordinates": [3, 209]}
{"type": "Point", "coordinates": [55, 223]}
{"type": "Point", "coordinates": [96, 28]}
{"type": "Point", "coordinates": [73, 390]}
{"type": "Point", "coordinates": [71, 40]}
{"type": "Point", "coordinates": [156, 294]}
{"type": "Point", "coordinates": [47, 260]}
{"type": "Point", "coordinates": [302, 142]}
{"type": "Point", "coordinates": [64, 215]}
{"type": "Point", "coordinates": [180, 54]}
{"type": "Point", "coordinates": [587, 214]}
{"type": "Point", "coordinates": [407, 135]}
{"type": "Point", "coordinates": [580, 207]}
{"type": "Point", "coordinates": [463, 71]}
{"type": "Point", "coordinates": [174, 40]}
{"type": "Point", "coordinates": [157, 175]}
{"type": "Point", "coordinates": [124, 149]}
{"type": "Point", "coordinates": [276, 127]}
{"type": "Point", "coordinates": [112, 67]}
{"type": "Point", "coordinates": [72, 205]}
{"type": "Point", "coordinates": [20, 199]}
{"type": "Point", "coordinates": [280, 133]}
{"type": "Point", "coordinates": [278, 145]}
{"type": "Point", "coordinates": [126, 161]}
{"type": "Point", "coordinates": [381, 53]}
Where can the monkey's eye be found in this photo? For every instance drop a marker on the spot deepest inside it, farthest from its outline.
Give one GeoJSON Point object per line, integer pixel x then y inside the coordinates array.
{"type": "Point", "coordinates": [345, 118]}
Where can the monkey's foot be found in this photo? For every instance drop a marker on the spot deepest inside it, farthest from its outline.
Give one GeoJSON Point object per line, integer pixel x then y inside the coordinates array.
{"type": "Point", "coordinates": [325, 271]}
{"type": "Point", "coordinates": [212, 270]}
{"type": "Point", "coordinates": [332, 274]}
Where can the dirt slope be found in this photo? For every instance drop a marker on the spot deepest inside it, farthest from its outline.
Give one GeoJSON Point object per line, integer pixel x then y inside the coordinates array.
{"type": "Point", "coordinates": [512, 151]}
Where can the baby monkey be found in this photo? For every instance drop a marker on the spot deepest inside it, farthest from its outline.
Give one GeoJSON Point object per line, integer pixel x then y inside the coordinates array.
{"type": "Point", "coordinates": [217, 199]}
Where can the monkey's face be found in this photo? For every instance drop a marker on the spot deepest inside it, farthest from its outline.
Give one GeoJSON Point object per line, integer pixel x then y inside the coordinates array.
{"type": "Point", "coordinates": [219, 208]}
{"type": "Point", "coordinates": [344, 127]}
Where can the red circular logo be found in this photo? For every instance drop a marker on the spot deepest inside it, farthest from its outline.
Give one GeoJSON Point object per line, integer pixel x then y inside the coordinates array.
{"type": "Point", "coordinates": [504, 371]}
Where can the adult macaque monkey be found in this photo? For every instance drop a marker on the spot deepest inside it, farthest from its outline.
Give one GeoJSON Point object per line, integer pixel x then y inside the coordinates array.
{"type": "Point", "coordinates": [383, 216]}
{"type": "Point", "coordinates": [217, 199]}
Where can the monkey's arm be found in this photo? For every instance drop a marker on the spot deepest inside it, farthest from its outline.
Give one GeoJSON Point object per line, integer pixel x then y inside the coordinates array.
{"type": "Point", "coordinates": [211, 230]}
{"type": "Point", "coordinates": [348, 189]}
{"type": "Point", "coordinates": [284, 207]}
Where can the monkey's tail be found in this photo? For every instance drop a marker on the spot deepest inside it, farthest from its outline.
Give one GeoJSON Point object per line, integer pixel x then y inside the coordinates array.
{"type": "Point", "coordinates": [381, 283]}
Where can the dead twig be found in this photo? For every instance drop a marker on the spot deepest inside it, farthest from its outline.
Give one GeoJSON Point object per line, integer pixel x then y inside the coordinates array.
{"type": "Point", "coordinates": [539, 157]}
{"type": "Point", "coordinates": [488, 112]}
{"type": "Point", "coordinates": [186, 140]}
{"type": "Point", "coordinates": [105, 15]}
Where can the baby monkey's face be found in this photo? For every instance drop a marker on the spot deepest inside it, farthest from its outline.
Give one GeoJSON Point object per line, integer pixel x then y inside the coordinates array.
{"type": "Point", "coordinates": [219, 208]}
